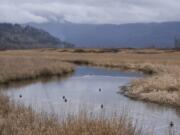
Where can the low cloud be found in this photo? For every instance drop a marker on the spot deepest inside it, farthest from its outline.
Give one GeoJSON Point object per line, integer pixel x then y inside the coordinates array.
{"type": "Point", "coordinates": [89, 11]}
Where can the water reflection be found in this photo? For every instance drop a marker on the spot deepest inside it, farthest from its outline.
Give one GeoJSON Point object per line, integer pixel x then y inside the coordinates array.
{"type": "Point", "coordinates": [43, 80]}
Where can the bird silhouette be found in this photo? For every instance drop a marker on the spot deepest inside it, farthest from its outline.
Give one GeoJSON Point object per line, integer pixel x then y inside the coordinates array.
{"type": "Point", "coordinates": [171, 124]}
{"type": "Point", "coordinates": [65, 100]}
{"type": "Point", "coordinates": [20, 96]}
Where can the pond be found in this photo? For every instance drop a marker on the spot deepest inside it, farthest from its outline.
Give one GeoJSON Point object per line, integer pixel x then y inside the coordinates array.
{"type": "Point", "coordinates": [96, 90]}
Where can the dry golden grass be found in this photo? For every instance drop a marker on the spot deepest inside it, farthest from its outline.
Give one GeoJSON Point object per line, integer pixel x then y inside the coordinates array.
{"type": "Point", "coordinates": [18, 120]}
{"type": "Point", "coordinates": [163, 66]}
{"type": "Point", "coordinates": [161, 86]}
{"type": "Point", "coordinates": [23, 68]}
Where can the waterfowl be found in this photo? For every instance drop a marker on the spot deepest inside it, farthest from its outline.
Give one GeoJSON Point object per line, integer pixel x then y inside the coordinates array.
{"type": "Point", "coordinates": [171, 124]}
{"type": "Point", "coordinates": [102, 106]}
{"type": "Point", "coordinates": [65, 100]}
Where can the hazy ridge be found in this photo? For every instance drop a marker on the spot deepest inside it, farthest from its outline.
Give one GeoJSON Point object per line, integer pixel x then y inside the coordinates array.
{"type": "Point", "coordinates": [136, 35]}
{"type": "Point", "coordinates": [15, 36]}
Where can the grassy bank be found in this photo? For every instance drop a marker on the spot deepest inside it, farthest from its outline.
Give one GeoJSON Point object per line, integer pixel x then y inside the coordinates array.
{"type": "Point", "coordinates": [18, 120]}
{"type": "Point", "coordinates": [161, 86]}
{"type": "Point", "coordinates": [27, 68]}
{"type": "Point", "coordinates": [163, 67]}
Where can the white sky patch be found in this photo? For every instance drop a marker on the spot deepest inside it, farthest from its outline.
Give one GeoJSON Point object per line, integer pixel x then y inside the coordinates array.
{"type": "Point", "coordinates": [89, 11]}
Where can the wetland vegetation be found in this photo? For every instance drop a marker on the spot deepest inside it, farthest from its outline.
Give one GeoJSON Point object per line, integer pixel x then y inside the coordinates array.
{"type": "Point", "coordinates": [161, 85]}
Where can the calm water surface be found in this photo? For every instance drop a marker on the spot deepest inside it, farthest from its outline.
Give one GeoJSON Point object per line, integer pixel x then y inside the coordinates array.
{"type": "Point", "coordinates": [82, 92]}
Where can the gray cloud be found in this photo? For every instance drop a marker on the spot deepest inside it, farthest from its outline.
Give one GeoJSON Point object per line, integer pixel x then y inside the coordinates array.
{"type": "Point", "coordinates": [89, 11]}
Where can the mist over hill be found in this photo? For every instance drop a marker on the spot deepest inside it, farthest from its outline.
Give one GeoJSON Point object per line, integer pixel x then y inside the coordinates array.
{"type": "Point", "coordinates": [15, 36]}
{"type": "Point", "coordinates": [137, 35]}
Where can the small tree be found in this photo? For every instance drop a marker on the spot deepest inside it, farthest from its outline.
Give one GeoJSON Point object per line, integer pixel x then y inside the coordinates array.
{"type": "Point", "coordinates": [177, 43]}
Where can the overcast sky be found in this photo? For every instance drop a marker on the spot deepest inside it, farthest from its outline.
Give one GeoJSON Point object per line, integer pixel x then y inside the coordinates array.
{"type": "Point", "coordinates": [89, 11]}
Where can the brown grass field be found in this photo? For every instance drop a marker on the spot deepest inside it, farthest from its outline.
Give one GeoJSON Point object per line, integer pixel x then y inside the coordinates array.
{"type": "Point", "coordinates": [18, 120]}
{"type": "Point", "coordinates": [161, 85]}
{"type": "Point", "coordinates": [163, 67]}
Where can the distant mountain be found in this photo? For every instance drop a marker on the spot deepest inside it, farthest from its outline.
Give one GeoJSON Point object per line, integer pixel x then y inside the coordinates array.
{"type": "Point", "coordinates": [14, 36]}
{"type": "Point", "coordinates": [137, 35]}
